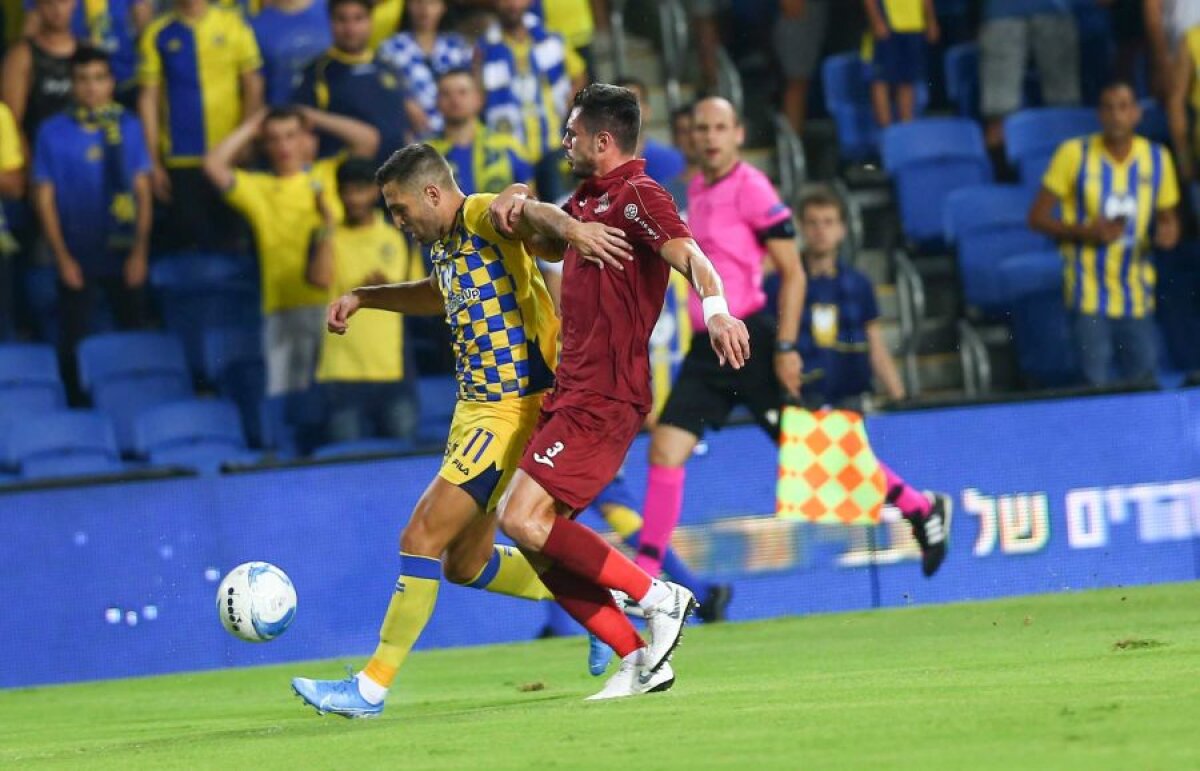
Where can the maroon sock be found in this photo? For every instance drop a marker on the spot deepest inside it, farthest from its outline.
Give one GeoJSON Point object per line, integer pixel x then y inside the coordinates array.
{"type": "Point", "coordinates": [587, 555]}
{"type": "Point", "coordinates": [594, 608]}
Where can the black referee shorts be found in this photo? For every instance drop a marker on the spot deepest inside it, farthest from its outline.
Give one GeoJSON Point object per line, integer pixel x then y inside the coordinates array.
{"type": "Point", "coordinates": [705, 393]}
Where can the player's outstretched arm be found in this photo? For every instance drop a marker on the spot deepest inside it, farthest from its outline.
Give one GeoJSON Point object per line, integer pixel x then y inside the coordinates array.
{"type": "Point", "coordinates": [728, 335]}
{"type": "Point", "coordinates": [412, 298]}
{"type": "Point", "coordinates": [545, 227]}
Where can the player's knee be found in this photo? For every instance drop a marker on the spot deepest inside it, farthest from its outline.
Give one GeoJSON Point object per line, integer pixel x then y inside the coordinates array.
{"type": "Point", "coordinates": [668, 451]}
{"type": "Point", "coordinates": [419, 539]}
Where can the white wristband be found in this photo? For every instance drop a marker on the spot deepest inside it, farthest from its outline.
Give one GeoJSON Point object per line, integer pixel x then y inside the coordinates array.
{"type": "Point", "coordinates": [714, 305]}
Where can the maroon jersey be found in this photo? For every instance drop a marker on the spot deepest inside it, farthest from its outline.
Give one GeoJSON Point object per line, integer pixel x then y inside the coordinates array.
{"type": "Point", "coordinates": [607, 315]}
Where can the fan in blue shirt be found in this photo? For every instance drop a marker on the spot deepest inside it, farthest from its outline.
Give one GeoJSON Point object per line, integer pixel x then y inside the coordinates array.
{"type": "Point", "coordinates": [290, 33]}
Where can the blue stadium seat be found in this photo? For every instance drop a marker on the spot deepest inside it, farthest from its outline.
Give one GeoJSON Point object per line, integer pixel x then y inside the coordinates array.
{"type": "Point", "coordinates": [362, 447]}
{"type": "Point", "coordinates": [1041, 328]}
{"type": "Point", "coordinates": [1032, 136]}
{"type": "Point", "coordinates": [201, 291]}
{"type": "Point", "coordinates": [928, 159]}
{"type": "Point", "coordinates": [437, 396]}
{"type": "Point", "coordinates": [961, 67]}
{"type": "Point", "coordinates": [198, 434]}
{"type": "Point", "coordinates": [29, 372]}
{"type": "Point", "coordinates": [847, 98]}
{"type": "Point", "coordinates": [233, 364]}
{"type": "Point", "coordinates": [128, 372]}
{"type": "Point", "coordinates": [987, 224]}
{"type": "Point", "coordinates": [1154, 122]}
{"type": "Point", "coordinates": [64, 443]}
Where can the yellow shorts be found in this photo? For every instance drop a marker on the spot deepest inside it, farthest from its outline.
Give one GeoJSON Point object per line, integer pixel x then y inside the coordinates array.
{"type": "Point", "coordinates": [487, 440]}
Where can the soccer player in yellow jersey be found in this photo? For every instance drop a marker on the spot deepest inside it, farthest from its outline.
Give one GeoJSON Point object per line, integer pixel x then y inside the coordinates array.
{"type": "Point", "coordinates": [506, 345]}
{"type": "Point", "coordinates": [1118, 196]}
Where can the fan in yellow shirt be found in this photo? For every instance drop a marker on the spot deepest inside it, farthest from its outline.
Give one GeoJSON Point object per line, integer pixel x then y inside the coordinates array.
{"type": "Point", "coordinates": [363, 374]}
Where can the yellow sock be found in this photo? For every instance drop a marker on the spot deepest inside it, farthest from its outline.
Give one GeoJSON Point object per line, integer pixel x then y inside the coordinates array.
{"type": "Point", "coordinates": [408, 612]}
{"type": "Point", "coordinates": [624, 520]}
{"type": "Point", "coordinates": [510, 572]}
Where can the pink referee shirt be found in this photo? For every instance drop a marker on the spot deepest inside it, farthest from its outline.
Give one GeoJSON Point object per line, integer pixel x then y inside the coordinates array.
{"type": "Point", "coordinates": [726, 219]}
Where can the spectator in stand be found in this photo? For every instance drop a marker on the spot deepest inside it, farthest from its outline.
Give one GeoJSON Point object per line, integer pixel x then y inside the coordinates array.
{"type": "Point", "coordinates": [12, 188]}
{"type": "Point", "coordinates": [113, 26]}
{"type": "Point", "coordinates": [896, 53]}
{"type": "Point", "coordinates": [571, 19]}
{"type": "Point", "coordinates": [422, 54]}
{"type": "Point", "coordinates": [290, 34]}
{"type": "Point", "coordinates": [199, 73]}
{"type": "Point", "coordinates": [799, 36]}
{"type": "Point", "coordinates": [528, 77]}
{"type": "Point", "coordinates": [681, 137]}
{"type": "Point", "coordinates": [1167, 22]}
{"type": "Point", "coordinates": [37, 70]}
{"type": "Point", "coordinates": [482, 162]}
{"type": "Point", "coordinates": [91, 175]}
{"type": "Point", "coordinates": [362, 373]}
{"type": "Point", "coordinates": [663, 162]}
{"type": "Point", "coordinates": [385, 21]}
{"type": "Point", "coordinates": [1183, 104]}
{"type": "Point", "coordinates": [349, 79]}
{"type": "Point", "coordinates": [1011, 29]}
{"type": "Point", "coordinates": [292, 210]}
{"type": "Point", "coordinates": [841, 340]}
{"type": "Point", "coordinates": [1118, 194]}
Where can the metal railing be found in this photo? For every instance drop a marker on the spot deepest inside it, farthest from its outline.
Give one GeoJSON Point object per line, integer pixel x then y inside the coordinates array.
{"type": "Point", "coordinates": [910, 295]}
{"type": "Point", "coordinates": [793, 165]}
{"type": "Point", "coordinates": [729, 81]}
{"type": "Point", "coordinates": [976, 364]}
{"type": "Point", "coordinates": [673, 26]}
{"type": "Point", "coordinates": [620, 45]}
{"type": "Point", "coordinates": [854, 220]}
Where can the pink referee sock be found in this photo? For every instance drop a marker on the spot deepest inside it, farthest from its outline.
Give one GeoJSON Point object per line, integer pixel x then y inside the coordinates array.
{"type": "Point", "coordinates": [664, 501]}
{"type": "Point", "coordinates": [909, 500]}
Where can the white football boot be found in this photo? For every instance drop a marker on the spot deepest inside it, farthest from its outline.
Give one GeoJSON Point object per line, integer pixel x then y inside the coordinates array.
{"type": "Point", "coordinates": [665, 623]}
{"type": "Point", "coordinates": [634, 679]}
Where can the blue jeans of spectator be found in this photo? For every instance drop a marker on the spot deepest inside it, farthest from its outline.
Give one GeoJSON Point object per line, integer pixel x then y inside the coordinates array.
{"type": "Point", "coordinates": [358, 410]}
{"type": "Point", "coordinates": [1133, 343]}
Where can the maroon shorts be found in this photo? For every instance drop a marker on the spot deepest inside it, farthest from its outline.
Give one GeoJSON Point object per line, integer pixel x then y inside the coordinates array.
{"type": "Point", "coordinates": [579, 444]}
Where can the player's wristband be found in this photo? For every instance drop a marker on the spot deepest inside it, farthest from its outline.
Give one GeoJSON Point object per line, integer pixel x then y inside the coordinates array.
{"type": "Point", "coordinates": [714, 305]}
{"type": "Point", "coordinates": [785, 346]}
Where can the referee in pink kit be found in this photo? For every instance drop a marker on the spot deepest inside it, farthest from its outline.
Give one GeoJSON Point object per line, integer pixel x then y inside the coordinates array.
{"type": "Point", "coordinates": [739, 221]}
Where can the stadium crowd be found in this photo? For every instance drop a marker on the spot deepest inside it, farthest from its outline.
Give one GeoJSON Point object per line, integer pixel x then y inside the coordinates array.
{"type": "Point", "coordinates": [223, 153]}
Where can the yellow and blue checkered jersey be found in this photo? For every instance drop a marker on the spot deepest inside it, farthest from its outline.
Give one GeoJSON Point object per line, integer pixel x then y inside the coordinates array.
{"type": "Point", "coordinates": [199, 63]}
{"type": "Point", "coordinates": [670, 340]}
{"type": "Point", "coordinates": [489, 164]}
{"type": "Point", "coordinates": [1116, 279]}
{"type": "Point", "coordinates": [501, 318]}
{"type": "Point", "coordinates": [904, 15]}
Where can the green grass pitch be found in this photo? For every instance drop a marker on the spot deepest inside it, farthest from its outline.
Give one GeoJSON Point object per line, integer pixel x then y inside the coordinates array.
{"type": "Point", "coordinates": [1095, 680]}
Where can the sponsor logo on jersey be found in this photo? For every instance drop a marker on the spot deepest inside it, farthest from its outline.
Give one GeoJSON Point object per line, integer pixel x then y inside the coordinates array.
{"type": "Point", "coordinates": [631, 211]}
{"type": "Point", "coordinates": [603, 204]}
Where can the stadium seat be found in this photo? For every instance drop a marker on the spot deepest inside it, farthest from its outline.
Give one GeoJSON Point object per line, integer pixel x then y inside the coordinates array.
{"type": "Point", "coordinates": [987, 224]}
{"type": "Point", "coordinates": [928, 159]}
{"type": "Point", "coordinates": [233, 363]}
{"type": "Point", "coordinates": [1033, 287]}
{"type": "Point", "coordinates": [961, 66]}
{"type": "Point", "coordinates": [29, 375]}
{"type": "Point", "coordinates": [128, 372]}
{"type": "Point", "coordinates": [64, 443]}
{"type": "Point", "coordinates": [360, 447]}
{"type": "Point", "coordinates": [437, 396]}
{"type": "Point", "coordinates": [1154, 122]}
{"type": "Point", "coordinates": [198, 434]}
{"type": "Point", "coordinates": [198, 291]}
{"type": "Point", "coordinates": [847, 97]}
{"type": "Point", "coordinates": [1032, 136]}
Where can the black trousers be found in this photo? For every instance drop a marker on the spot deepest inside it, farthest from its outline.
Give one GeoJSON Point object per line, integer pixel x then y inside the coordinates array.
{"type": "Point", "coordinates": [75, 310]}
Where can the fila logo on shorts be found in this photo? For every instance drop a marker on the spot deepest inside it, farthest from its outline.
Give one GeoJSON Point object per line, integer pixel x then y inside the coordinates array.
{"type": "Point", "coordinates": [548, 458]}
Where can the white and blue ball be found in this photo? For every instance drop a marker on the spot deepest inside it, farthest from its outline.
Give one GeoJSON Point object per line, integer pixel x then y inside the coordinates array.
{"type": "Point", "coordinates": [256, 602]}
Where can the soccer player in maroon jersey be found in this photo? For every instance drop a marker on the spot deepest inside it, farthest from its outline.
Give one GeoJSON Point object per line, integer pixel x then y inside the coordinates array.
{"type": "Point", "coordinates": [603, 381]}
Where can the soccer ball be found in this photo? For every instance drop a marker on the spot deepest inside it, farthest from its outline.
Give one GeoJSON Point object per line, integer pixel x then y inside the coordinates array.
{"type": "Point", "coordinates": [256, 602]}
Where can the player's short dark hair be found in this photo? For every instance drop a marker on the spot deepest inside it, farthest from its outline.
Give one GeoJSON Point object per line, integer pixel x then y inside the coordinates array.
{"type": "Point", "coordinates": [85, 55]}
{"type": "Point", "coordinates": [605, 107]}
{"type": "Point", "coordinates": [1117, 84]}
{"type": "Point", "coordinates": [285, 112]}
{"type": "Point", "coordinates": [335, 4]}
{"type": "Point", "coordinates": [822, 197]}
{"type": "Point", "coordinates": [414, 164]}
{"type": "Point", "coordinates": [356, 171]}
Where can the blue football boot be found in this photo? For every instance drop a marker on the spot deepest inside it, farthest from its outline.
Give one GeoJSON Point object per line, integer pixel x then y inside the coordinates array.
{"type": "Point", "coordinates": [335, 697]}
{"type": "Point", "coordinates": [599, 655]}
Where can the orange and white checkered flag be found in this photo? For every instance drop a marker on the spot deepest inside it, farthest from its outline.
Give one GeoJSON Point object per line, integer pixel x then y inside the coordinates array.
{"type": "Point", "coordinates": [827, 471]}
